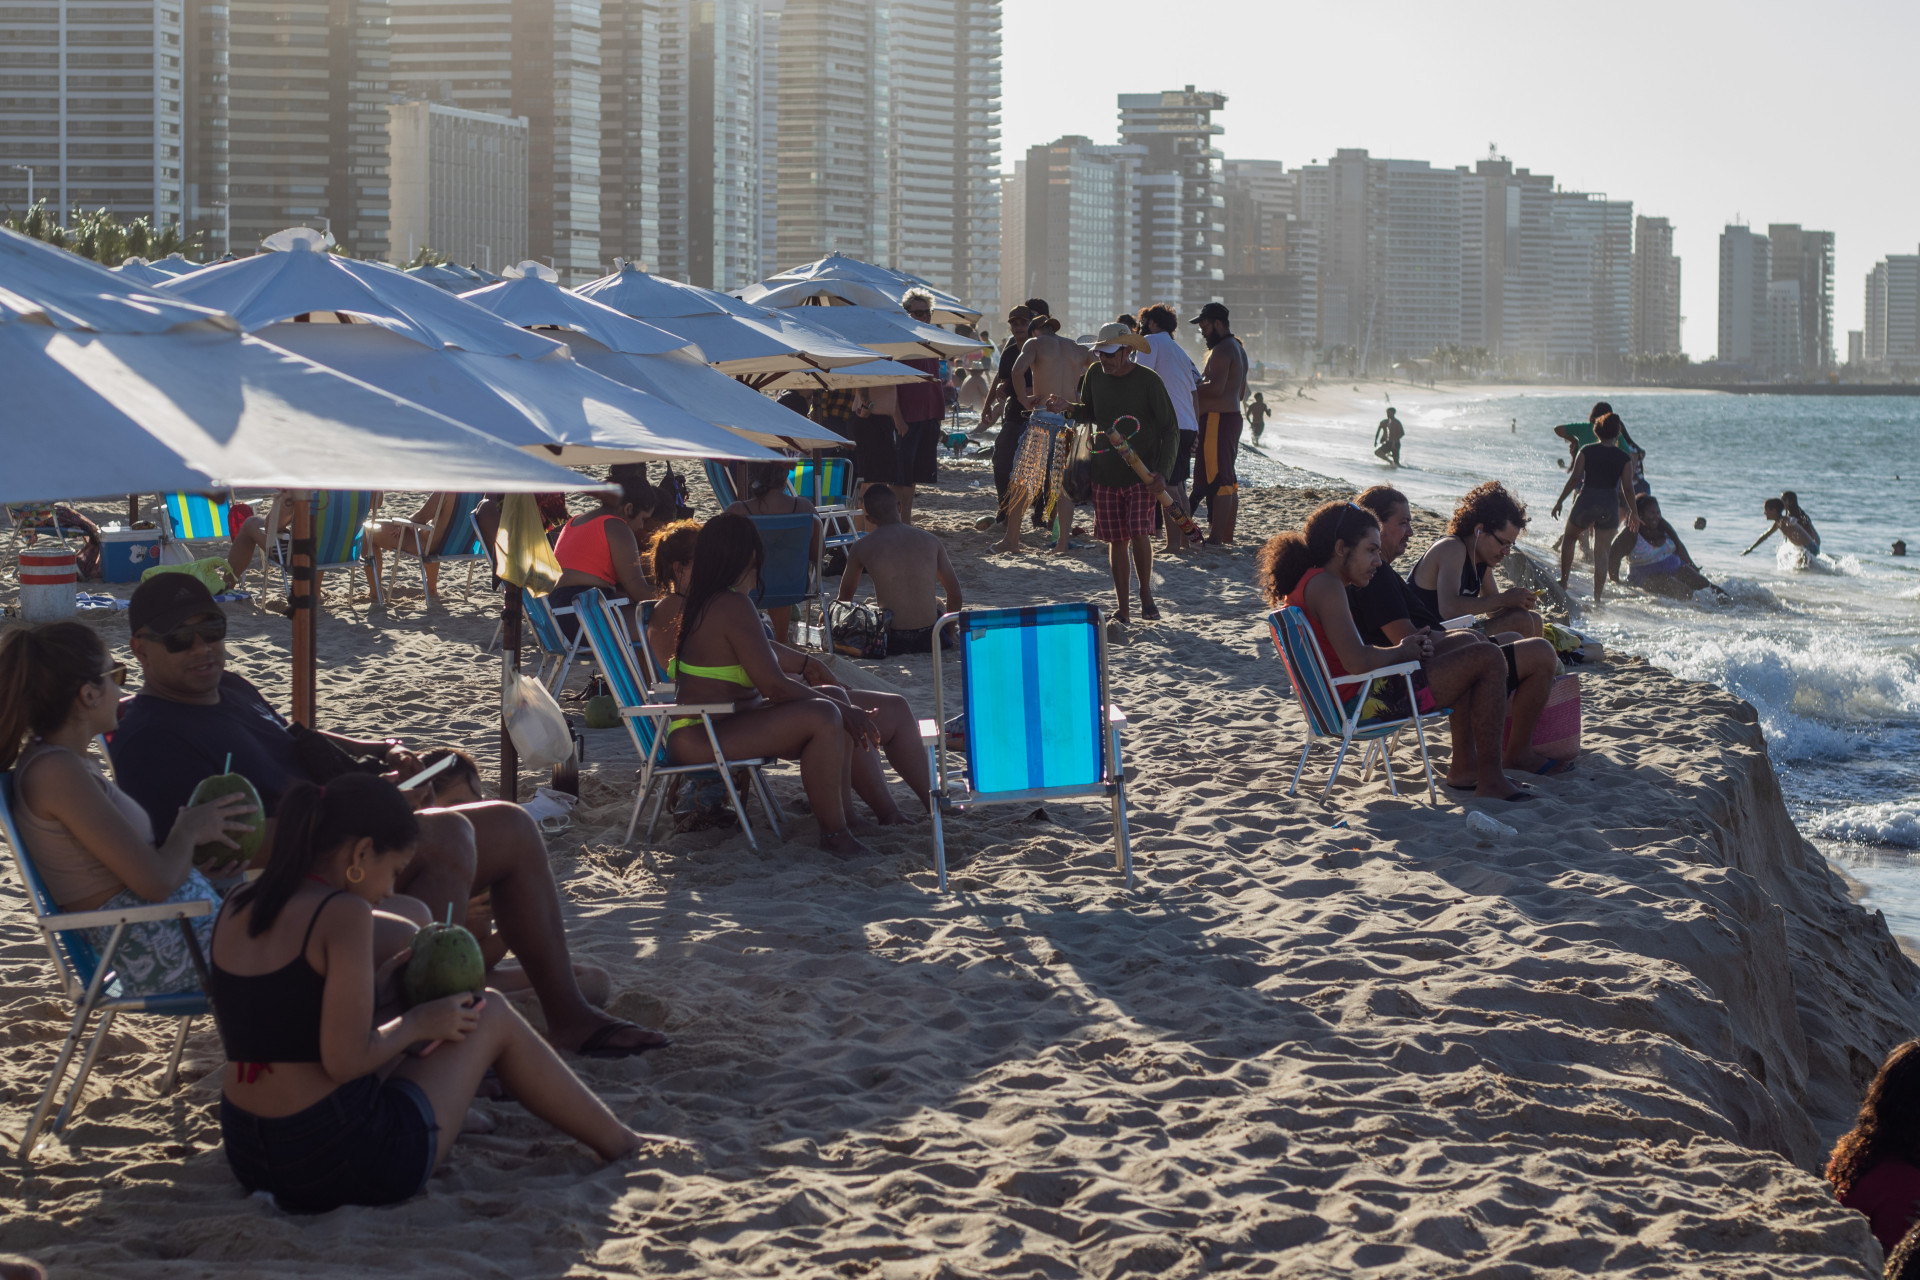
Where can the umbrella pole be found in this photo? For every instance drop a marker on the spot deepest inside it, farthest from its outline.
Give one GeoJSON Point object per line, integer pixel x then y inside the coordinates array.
{"type": "Point", "coordinates": [133, 509]}
{"type": "Point", "coordinates": [303, 604]}
{"type": "Point", "coordinates": [510, 614]}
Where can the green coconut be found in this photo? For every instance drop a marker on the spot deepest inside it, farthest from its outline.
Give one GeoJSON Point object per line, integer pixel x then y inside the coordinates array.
{"type": "Point", "coordinates": [445, 962]}
{"type": "Point", "coordinates": [603, 712]}
{"type": "Point", "coordinates": [230, 784]}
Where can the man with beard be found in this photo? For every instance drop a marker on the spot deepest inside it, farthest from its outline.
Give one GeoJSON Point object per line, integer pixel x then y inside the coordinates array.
{"type": "Point", "coordinates": [1223, 385]}
{"type": "Point", "coordinates": [1002, 401]}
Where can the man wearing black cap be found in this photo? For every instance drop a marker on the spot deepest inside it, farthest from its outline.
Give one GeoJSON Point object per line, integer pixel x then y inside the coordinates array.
{"type": "Point", "coordinates": [193, 718]}
{"type": "Point", "coordinates": [1223, 385]}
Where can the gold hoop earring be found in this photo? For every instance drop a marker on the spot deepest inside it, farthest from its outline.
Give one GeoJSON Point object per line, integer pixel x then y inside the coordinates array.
{"type": "Point", "coordinates": [355, 875]}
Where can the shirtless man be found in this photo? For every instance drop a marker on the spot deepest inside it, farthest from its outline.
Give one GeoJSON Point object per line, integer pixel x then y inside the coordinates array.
{"type": "Point", "coordinates": [1223, 385]}
{"type": "Point", "coordinates": [905, 563]}
{"type": "Point", "coordinates": [1056, 365]}
{"type": "Point", "coordinates": [1786, 526]}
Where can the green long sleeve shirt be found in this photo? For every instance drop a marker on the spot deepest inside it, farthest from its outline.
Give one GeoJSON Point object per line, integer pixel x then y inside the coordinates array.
{"type": "Point", "coordinates": [1104, 399]}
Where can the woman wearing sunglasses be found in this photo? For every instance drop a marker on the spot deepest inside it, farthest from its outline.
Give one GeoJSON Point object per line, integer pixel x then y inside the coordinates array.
{"type": "Point", "coordinates": [91, 842]}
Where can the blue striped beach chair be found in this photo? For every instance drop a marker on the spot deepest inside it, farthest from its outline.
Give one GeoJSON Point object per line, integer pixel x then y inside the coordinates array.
{"type": "Point", "coordinates": [721, 480]}
{"type": "Point", "coordinates": [558, 651]}
{"type": "Point", "coordinates": [87, 979]}
{"type": "Point", "coordinates": [339, 527]}
{"type": "Point", "coordinates": [198, 517]}
{"type": "Point", "coordinates": [456, 543]}
{"type": "Point", "coordinates": [825, 482]}
{"type": "Point", "coordinates": [1326, 714]}
{"type": "Point", "coordinates": [647, 723]}
{"type": "Point", "coordinates": [1039, 720]}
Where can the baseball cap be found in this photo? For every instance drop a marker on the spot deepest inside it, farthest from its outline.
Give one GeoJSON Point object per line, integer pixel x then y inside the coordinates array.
{"type": "Point", "coordinates": [1212, 311]}
{"type": "Point", "coordinates": [1114, 336]}
{"type": "Point", "coordinates": [166, 600]}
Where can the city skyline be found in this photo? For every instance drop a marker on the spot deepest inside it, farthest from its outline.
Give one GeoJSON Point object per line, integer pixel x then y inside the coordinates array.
{"type": "Point", "coordinates": [1656, 134]}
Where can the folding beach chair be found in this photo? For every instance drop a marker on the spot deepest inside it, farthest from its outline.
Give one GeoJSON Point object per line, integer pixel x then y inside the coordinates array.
{"type": "Point", "coordinates": [789, 575]}
{"type": "Point", "coordinates": [456, 543]}
{"type": "Point", "coordinates": [197, 517]}
{"type": "Point", "coordinates": [26, 522]}
{"type": "Point", "coordinates": [828, 484]}
{"type": "Point", "coordinates": [722, 481]}
{"type": "Point", "coordinates": [339, 527]}
{"type": "Point", "coordinates": [1040, 723]}
{"type": "Point", "coordinates": [87, 978]}
{"type": "Point", "coordinates": [1326, 715]}
{"type": "Point", "coordinates": [558, 651]}
{"type": "Point", "coordinates": [647, 723]}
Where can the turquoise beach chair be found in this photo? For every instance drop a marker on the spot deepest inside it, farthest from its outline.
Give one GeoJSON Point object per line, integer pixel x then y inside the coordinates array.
{"type": "Point", "coordinates": [1326, 715]}
{"type": "Point", "coordinates": [722, 481]}
{"type": "Point", "coordinates": [87, 979]}
{"type": "Point", "coordinates": [646, 722]}
{"type": "Point", "coordinates": [825, 482]}
{"type": "Point", "coordinates": [558, 651]}
{"type": "Point", "coordinates": [1039, 720]}
{"type": "Point", "coordinates": [339, 527]}
{"type": "Point", "coordinates": [198, 517]}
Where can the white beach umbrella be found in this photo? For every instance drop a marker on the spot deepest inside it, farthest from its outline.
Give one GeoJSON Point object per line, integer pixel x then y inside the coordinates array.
{"type": "Point", "coordinates": [887, 333]}
{"type": "Point", "coordinates": [873, 373]}
{"type": "Point", "coordinates": [530, 296]}
{"type": "Point", "coordinates": [858, 283]}
{"type": "Point", "coordinates": [140, 272]}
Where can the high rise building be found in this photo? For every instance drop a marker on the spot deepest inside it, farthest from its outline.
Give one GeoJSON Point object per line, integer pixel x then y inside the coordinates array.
{"type": "Point", "coordinates": [1807, 258]}
{"type": "Point", "coordinates": [534, 58]}
{"type": "Point", "coordinates": [630, 131]}
{"type": "Point", "coordinates": [1272, 261]}
{"type": "Point", "coordinates": [1014, 285]}
{"type": "Point", "coordinates": [1783, 350]}
{"type": "Point", "coordinates": [1180, 214]}
{"type": "Point", "coordinates": [1513, 284]}
{"type": "Point", "coordinates": [1079, 230]}
{"type": "Point", "coordinates": [1592, 304]}
{"type": "Point", "coordinates": [1745, 271]}
{"type": "Point", "coordinates": [709, 152]}
{"type": "Point", "coordinates": [766, 89]}
{"type": "Point", "coordinates": [1891, 339]}
{"type": "Point", "coordinates": [459, 184]}
{"type": "Point", "coordinates": [1656, 289]}
{"type": "Point", "coordinates": [834, 105]}
{"type": "Point", "coordinates": [93, 105]}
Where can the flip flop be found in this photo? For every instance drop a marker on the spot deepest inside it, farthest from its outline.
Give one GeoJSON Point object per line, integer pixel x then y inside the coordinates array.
{"type": "Point", "coordinates": [1547, 770]}
{"type": "Point", "coordinates": [598, 1044]}
{"type": "Point", "coordinates": [1518, 796]}
{"type": "Point", "coordinates": [1151, 612]}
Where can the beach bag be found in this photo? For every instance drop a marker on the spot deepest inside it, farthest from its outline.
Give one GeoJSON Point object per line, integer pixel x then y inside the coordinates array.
{"type": "Point", "coordinates": [214, 573]}
{"type": "Point", "coordinates": [534, 720]}
{"type": "Point", "coordinates": [521, 550]}
{"type": "Point", "coordinates": [859, 629]}
{"type": "Point", "coordinates": [1557, 735]}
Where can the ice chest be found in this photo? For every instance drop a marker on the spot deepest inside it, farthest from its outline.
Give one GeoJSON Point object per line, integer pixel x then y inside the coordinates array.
{"type": "Point", "coordinates": [127, 553]}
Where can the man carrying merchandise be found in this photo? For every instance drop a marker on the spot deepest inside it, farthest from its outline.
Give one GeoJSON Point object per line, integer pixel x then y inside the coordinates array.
{"type": "Point", "coordinates": [1054, 365]}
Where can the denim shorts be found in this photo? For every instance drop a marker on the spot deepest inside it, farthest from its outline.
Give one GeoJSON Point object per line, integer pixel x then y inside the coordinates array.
{"type": "Point", "coordinates": [369, 1142]}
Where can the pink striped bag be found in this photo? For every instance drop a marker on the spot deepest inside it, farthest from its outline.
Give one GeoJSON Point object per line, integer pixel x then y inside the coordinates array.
{"type": "Point", "coordinates": [1557, 735]}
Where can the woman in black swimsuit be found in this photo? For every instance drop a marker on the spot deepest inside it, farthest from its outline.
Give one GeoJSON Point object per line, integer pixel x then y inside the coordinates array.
{"type": "Point", "coordinates": [1603, 475]}
{"type": "Point", "coordinates": [321, 1104]}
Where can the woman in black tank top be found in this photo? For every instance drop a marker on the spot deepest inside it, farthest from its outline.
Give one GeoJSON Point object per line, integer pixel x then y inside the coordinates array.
{"type": "Point", "coordinates": [1604, 476]}
{"type": "Point", "coordinates": [323, 1103]}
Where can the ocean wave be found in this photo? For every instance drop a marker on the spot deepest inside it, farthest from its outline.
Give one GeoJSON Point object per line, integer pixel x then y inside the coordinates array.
{"type": "Point", "coordinates": [1897, 823]}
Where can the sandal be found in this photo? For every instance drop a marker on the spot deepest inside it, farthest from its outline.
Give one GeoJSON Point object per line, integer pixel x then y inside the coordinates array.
{"type": "Point", "coordinates": [599, 1043]}
{"type": "Point", "coordinates": [1151, 612]}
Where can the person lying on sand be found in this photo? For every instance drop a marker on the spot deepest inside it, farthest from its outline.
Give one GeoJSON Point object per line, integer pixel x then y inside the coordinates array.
{"type": "Point", "coordinates": [1875, 1167]}
{"type": "Point", "coordinates": [1338, 548]}
{"type": "Point", "coordinates": [1455, 577]}
{"type": "Point", "coordinates": [1656, 558]}
{"type": "Point", "coordinates": [892, 716]}
{"type": "Point", "coordinates": [321, 1105]}
{"type": "Point", "coordinates": [1387, 610]}
{"type": "Point", "coordinates": [1787, 526]}
{"type": "Point", "coordinates": [193, 718]}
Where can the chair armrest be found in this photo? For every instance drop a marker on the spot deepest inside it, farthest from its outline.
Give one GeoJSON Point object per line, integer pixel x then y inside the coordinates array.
{"type": "Point", "coordinates": [67, 921]}
{"type": "Point", "coordinates": [1398, 668]}
{"type": "Point", "coordinates": [1116, 717]}
{"type": "Point", "coordinates": [654, 710]}
{"type": "Point", "coordinates": [929, 732]}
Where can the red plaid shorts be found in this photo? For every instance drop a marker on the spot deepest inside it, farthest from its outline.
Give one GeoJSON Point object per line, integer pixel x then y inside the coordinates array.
{"type": "Point", "coordinates": [1119, 514]}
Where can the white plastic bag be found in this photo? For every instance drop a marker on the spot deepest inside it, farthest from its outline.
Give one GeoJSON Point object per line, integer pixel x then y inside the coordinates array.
{"type": "Point", "coordinates": [534, 720]}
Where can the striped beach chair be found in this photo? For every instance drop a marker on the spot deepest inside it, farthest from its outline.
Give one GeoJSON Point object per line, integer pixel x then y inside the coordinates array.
{"type": "Point", "coordinates": [198, 517]}
{"type": "Point", "coordinates": [1039, 721]}
{"type": "Point", "coordinates": [87, 980]}
{"type": "Point", "coordinates": [456, 542]}
{"type": "Point", "coordinates": [1325, 714]}
{"type": "Point", "coordinates": [339, 526]}
{"type": "Point", "coordinates": [721, 480]}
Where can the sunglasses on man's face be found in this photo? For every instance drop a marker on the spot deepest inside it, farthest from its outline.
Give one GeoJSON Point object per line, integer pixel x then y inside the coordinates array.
{"type": "Point", "coordinates": [181, 638]}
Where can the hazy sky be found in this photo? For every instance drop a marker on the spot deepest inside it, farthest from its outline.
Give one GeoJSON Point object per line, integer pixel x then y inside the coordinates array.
{"type": "Point", "coordinates": [1701, 111]}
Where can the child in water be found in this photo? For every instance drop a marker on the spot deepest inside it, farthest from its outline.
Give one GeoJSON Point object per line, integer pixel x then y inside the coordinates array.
{"type": "Point", "coordinates": [1795, 529]}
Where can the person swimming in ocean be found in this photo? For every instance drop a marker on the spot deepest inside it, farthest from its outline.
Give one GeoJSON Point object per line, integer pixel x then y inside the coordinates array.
{"type": "Point", "coordinates": [1793, 529]}
{"type": "Point", "coordinates": [1656, 559]}
{"type": "Point", "coordinates": [1790, 503]}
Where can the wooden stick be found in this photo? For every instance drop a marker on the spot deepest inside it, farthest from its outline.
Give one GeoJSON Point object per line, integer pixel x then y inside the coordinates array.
{"type": "Point", "coordinates": [1176, 511]}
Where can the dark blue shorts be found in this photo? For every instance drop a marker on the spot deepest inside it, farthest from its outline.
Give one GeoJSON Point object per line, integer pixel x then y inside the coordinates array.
{"type": "Point", "coordinates": [368, 1142]}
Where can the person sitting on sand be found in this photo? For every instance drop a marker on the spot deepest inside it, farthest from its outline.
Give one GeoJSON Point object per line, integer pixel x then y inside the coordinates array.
{"type": "Point", "coordinates": [906, 564]}
{"type": "Point", "coordinates": [194, 718]}
{"type": "Point", "coordinates": [672, 563]}
{"type": "Point", "coordinates": [1601, 474]}
{"type": "Point", "coordinates": [1455, 577]}
{"type": "Point", "coordinates": [767, 496]}
{"type": "Point", "coordinates": [1339, 547]}
{"type": "Point", "coordinates": [1387, 610]}
{"type": "Point", "coordinates": [321, 1105]}
{"type": "Point", "coordinates": [723, 655]}
{"type": "Point", "coordinates": [1656, 558]}
{"type": "Point", "coordinates": [1788, 527]}
{"type": "Point", "coordinates": [601, 549]}
{"type": "Point", "coordinates": [90, 841]}
{"type": "Point", "coordinates": [1875, 1167]}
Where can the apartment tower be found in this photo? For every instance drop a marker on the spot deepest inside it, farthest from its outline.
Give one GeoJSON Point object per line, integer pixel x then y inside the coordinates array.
{"type": "Point", "coordinates": [1656, 288]}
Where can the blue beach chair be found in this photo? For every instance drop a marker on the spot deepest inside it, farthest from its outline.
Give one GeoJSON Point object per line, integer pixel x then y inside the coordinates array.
{"type": "Point", "coordinates": [825, 482]}
{"type": "Point", "coordinates": [1040, 723]}
{"type": "Point", "coordinates": [198, 517]}
{"type": "Point", "coordinates": [1327, 715]}
{"type": "Point", "coordinates": [87, 979]}
{"type": "Point", "coordinates": [722, 481]}
{"type": "Point", "coordinates": [646, 722]}
{"type": "Point", "coordinates": [457, 543]}
{"type": "Point", "coordinates": [339, 526]}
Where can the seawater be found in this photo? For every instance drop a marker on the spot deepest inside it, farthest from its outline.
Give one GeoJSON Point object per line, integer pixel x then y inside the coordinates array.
{"type": "Point", "coordinates": [1827, 649]}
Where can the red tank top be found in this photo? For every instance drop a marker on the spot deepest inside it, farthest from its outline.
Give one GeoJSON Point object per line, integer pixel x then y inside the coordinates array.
{"type": "Point", "coordinates": [1298, 598]}
{"type": "Point", "coordinates": [583, 548]}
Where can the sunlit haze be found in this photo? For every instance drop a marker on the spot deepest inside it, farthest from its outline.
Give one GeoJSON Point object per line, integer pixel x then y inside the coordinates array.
{"type": "Point", "coordinates": [1702, 113]}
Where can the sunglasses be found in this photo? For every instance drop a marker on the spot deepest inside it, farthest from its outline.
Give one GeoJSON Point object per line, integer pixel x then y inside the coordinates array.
{"type": "Point", "coordinates": [116, 673]}
{"type": "Point", "coordinates": [181, 638]}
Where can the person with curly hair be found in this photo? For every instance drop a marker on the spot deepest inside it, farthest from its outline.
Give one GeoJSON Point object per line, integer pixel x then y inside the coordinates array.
{"type": "Point", "coordinates": [1875, 1167]}
{"type": "Point", "coordinates": [1455, 577]}
{"type": "Point", "coordinates": [1338, 548]}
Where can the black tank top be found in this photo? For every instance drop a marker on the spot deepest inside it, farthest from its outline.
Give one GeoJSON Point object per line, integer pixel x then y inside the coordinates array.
{"type": "Point", "coordinates": [1604, 465]}
{"type": "Point", "coordinates": [1469, 583]}
{"type": "Point", "coordinates": [272, 1017]}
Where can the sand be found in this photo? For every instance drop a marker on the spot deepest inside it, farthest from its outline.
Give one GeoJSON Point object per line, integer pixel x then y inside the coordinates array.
{"type": "Point", "coordinates": [1320, 1038]}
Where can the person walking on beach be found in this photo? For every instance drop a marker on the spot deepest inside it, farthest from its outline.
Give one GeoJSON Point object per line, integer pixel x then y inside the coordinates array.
{"type": "Point", "coordinates": [1257, 412]}
{"type": "Point", "coordinates": [1387, 437]}
{"type": "Point", "coordinates": [1601, 473]}
{"type": "Point", "coordinates": [1123, 503]}
{"type": "Point", "coordinates": [1053, 365]}
{"type": "Point", "coordinates": [1005, 407]}
{"type": "Point", "coordinates": [1788, 527]}
{"type": "Point", "coordinates": [1164, 356]}
{"type": "Point", "coordinates": [1223, 385]}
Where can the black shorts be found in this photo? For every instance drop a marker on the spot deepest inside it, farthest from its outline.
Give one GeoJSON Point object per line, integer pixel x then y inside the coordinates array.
{"type": "Point", "coordinates": [876, 451]}
{"type": "Point", "coordinates": [1183, 460]}
{"type": "Point", "coordinates": [1596, 510]}
{"type": "Point", "coordinates": [916, 640]}
{"type": "Point", "coordinates": [1215, 455]}
{"type": "Point", "coordinates": [368, 1142]}
{"type": "Point", "coordinates": [920, 452]}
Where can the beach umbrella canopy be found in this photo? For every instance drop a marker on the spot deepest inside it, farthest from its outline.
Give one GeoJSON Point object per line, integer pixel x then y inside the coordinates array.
{"type": "Point", "coordinates": [858, 283]}
{"type": "Point", "coordinates": [874, 373]}
{"type": "Point", "coordinates": [887, 333]}
{"type": "Point", "coordinates": [530, 296]}
{"type": "Point", "coordinates": [112, 389]}
{"type": "Point", "coordinates": [138, 271]}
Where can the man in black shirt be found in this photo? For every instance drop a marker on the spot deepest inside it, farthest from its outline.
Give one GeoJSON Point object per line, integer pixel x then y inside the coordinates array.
{"type": "Point", "coordinates": [1002, 397]}
{"type": "Point", "coordinates": [192, 717]}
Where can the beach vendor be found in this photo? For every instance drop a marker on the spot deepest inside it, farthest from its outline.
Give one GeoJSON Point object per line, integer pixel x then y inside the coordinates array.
{"type": "Point", "coordinates": [1049, 365]}
{"type": "Point", "coordinates": [1113, 389]}
{"type": "Point", "coordinates": [193, 718]}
